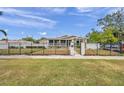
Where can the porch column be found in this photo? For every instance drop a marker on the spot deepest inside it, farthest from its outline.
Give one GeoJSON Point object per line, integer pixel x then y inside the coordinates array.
{"type": "Point", "coordinates": [65, 43]}
{"type": "Point", "coordinates": [68, 42]}
{"type": "Point", "coordinates": [53, 42]}
{"type": "Point", "coordinates": [59, 43]}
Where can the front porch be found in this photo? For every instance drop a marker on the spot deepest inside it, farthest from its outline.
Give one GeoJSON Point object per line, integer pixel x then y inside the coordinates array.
{"type": "Point", "coordinates": [63, 43]}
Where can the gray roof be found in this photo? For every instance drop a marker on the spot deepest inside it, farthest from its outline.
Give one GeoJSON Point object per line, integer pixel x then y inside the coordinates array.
{"type": "Point", "coordinates": [66, 37]}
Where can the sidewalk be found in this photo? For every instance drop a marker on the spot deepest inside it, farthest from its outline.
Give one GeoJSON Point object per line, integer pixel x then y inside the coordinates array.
{"type": "Point", "coordinates": [61, 57]}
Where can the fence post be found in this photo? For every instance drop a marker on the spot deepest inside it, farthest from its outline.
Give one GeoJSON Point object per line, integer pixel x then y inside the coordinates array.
{"type": "Point", "coordinates": [8, 48]}
{"type": "Point", "coordinates": [43, 49]}
{"type": "Point", "coordinates": [55, 48]}
{"type": "Point", "coordinates": [20, 48]}
{"type": "Point", "coordinates": [71, 48]}
{"type": "Point", "coordinates": [80, 48]}
{"type": "Point", "coordinates": [120, 47]}
{"type": "Point", "coordinates": [83, 48]}
{"type": "Point", "coordinates": [110, 48]}
{"type": "Point", "coordinates": [31, 48]}
{"type": "Point", "coordinates": [97, 49]}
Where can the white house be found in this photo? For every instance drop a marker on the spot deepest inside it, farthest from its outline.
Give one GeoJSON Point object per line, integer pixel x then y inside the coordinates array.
{"type": "Point", "coordinates": [62, 41]}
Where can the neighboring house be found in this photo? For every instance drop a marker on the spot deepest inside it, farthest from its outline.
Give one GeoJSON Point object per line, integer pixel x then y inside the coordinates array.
{"type": "Point", "coordinates": [3, 45]}
{"type": "Point", "coordinates": [14, 43]}
{"type": "Point", "coordinates": [62, 41]}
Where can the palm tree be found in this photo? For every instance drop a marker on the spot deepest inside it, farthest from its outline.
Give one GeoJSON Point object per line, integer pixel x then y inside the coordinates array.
{"type": "Point", "coordinates": [3, 31]}
{"type": "Point", "coordinates": [1, 13]}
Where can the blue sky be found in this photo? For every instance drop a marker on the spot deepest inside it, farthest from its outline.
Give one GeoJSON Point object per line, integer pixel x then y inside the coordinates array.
{"type": "Point", "coordinates": [50, 22]}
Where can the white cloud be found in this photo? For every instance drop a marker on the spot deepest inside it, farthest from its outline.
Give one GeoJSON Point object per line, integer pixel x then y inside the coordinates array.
{"type": "Point", "coordinates": [90, 12]}
{"type": "Point", "coordinates": [43, 33]}
{"type": "Point", "coordinates": [14, 11]}
{"type": "Point", "coordinates": [81, 14]}
{"type": "Point", "coordinates": [59, 10]}
{"type": "Point", "coordinates": [54, 10]}
{"type": "Point", "coordinates": [84, 10]}
{"type": "Point", "coordinates": [26, 18]}
{"type": "Point", "coordinates": [26, 23]}
{"type": "Point", "coordinates": [26, 14]}
{"type": "Point", "coordinates": [42, 19]}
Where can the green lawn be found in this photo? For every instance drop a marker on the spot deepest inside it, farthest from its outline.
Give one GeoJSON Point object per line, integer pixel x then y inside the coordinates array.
{"type": "Point", "coordinates": [61, 72]}
{"type": "Point", "coordinates": [101, 52]}
{"type": "Point", "coordinates": [35, 51]}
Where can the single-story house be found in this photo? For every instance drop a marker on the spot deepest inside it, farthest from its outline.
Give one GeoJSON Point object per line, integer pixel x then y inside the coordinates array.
{"type": "Point", "coordinates": [62, 41]}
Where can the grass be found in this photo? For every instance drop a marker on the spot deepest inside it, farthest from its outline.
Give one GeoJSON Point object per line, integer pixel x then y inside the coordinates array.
{"type": "Point", "coordinates": [61, 72]}
{"type": "Point", "coordinates": [36, 51]}
{"type": "Point", "coordinates": [53, 51]}
{"type": "Point", "coordinates": [101, 52]}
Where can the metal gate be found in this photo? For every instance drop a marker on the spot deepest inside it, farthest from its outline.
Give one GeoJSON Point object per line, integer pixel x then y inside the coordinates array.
{"type": "Point", "coordinates": [77, 48]}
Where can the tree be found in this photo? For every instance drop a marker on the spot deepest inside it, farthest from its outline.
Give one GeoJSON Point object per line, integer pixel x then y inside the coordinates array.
{"type": "Point", "coordinates": [28, 39]}
{"type": "Point", "coordinates": [43, 38]}
{"type": "Point", "coordinates": [3, 31]}
{"type": "Point", "coordinates": [1, 13]}
{"type": "Point", "coordinates": [94, 36]}
{"type": "Point", "coordinates": [107, 36]}
{"type": "Point", "coordinates": [116, 21]}
{"type": "Point", "coordinates": [102, 37]}
{"type": "Point", "coordinates": [3, 39]}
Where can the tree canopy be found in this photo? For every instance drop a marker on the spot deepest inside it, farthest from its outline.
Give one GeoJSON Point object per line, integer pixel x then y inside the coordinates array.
{"type": "Point", "coordinates": [28, 39]}
{"type": "Point", "coordinates": [1, 13]}
{"type": "Point", "coordinates": [102, 37]}
{"type": "Point", "coordinates": [94, 36]}
{"type": "Point", "coordinates": [107, 36]}
{"type": "Point", "coordinates": [115, 21]}
{"type": "Point", "coordinates": [112, 28]}
{"type": "Point", "coordinates": [3, 31]}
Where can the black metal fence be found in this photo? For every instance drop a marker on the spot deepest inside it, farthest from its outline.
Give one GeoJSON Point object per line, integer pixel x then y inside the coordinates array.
{"type": "Point", "coordinates": [104, 49]}
{"type": "Point", "coordinates": [19, 48]}
{"type": "Point", "coordinates": [91, 49]}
